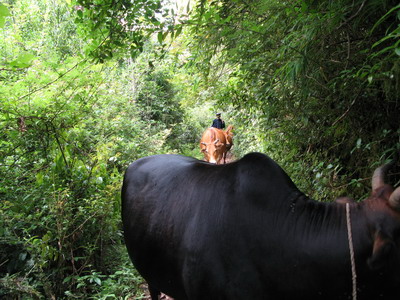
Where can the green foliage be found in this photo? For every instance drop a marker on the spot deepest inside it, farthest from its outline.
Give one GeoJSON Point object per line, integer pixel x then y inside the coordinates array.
{"type": "Point", "coordinates": [115, 27]}
{"type": "Point", "coordinates": [313, 84]}
{"type": "Point", "coordinates": [311, 78]}
{"type": "Point", "coordinates": [70, 128]}
{"type": "Point", "coordinates": [63, 153]}
{"type": "Point", "coordinates": [61, 173]}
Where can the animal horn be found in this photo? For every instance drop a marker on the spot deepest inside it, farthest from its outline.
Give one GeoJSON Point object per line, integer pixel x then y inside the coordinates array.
{"type": "Point", "coordinates": [394, 199]}
{"type": "Point", "coordinates": [378, 179]}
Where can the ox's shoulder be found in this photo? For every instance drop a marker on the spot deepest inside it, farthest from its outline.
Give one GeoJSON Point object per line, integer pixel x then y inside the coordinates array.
{"type": "Point", "coordinates": [256, 156]}
{"type": "Point", "coordinates": [258, 159]}
{"type": "Point", "coordinates": [162, 159]}
{"type": "Point", "coordinates": [158, 167]}
{"type": "Point", "coordinates": [263, 169]}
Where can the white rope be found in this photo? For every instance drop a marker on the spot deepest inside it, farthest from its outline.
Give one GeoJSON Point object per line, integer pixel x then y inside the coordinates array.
{"type": "Point", "coordinates": [353, 264]}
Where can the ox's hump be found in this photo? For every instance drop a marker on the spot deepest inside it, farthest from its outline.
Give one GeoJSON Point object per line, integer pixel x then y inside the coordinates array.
{"type": "Point", "coordinates": [262, 176]}
{"type": "Point", "coordinates": [261, 162]}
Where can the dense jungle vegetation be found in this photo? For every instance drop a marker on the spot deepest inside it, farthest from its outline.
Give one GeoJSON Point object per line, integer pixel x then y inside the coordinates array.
{"type": "Point", "coordinates": [88, 86]}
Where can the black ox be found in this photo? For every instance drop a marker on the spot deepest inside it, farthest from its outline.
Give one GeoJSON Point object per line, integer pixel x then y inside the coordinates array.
{"type": "Point", "coordinates": [242, 231]}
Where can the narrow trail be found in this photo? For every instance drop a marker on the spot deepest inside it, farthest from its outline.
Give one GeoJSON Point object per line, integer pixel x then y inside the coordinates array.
{"type": "Point", "coordinates": [230, 157]}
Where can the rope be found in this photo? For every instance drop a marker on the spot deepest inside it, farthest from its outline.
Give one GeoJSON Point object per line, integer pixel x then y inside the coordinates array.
{"type": "Point", "coordinates": [353, 264]}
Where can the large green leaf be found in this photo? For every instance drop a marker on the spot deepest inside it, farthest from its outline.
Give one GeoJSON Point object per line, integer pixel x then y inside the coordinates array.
{"type": "Point", "coordinates": [23, 61]}
{"type": "Point", "coordinates": [4, 12]}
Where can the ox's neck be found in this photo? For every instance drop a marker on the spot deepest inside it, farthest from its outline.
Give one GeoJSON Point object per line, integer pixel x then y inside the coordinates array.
{"type": "Point", "coordinates": [321, 215]}
{"type": "Point", "coordinates": [326, 222]}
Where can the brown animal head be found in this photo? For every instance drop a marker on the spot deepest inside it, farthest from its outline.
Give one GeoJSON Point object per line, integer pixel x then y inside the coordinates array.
{"type": "Point", "coordinates": [213, 145]}
{"type": "Point", "coordinates": [383, 209]}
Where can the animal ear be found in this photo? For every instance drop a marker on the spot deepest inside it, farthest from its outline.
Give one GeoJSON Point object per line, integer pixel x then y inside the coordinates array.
{"type": "Point", "coordinates": [394, 199]}
{"type": "Point", "coordinates": [381, 251]}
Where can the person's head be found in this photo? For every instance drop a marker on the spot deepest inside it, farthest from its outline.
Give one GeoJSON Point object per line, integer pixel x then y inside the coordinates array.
{"type": "Point", "coordinates": [218, 115]}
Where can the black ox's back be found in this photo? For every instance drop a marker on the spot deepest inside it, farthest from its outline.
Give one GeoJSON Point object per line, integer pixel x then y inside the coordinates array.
{"type": "Point", "coordinates": [243, 231]}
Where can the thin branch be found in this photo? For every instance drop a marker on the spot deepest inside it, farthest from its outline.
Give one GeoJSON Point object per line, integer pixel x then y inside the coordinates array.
{"type": "Point", "coordinates": [317, 82]}
{"type": "Point", "coordinates": [51, 82]}
{"type": "Point", "coordinates": [347, 111]}
{"type": "Point", "coordinates": [80, 225]}
{"type": "Point", "coordinates": [59, 146]}
{"type": "Point", "coordinates": [4, 262]}
{"type": "Point", "coordinates": [61, 76]}
{"type": "Point", "coordinates": [348, 50]}
{"type": "Point", "coordinates": [12, 70]}
{"type": "Point", "coordinates": [353, 16]}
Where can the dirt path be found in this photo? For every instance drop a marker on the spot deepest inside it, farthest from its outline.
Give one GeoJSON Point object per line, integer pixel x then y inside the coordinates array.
{"type": "Point", "coordinates": [147, 294]}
